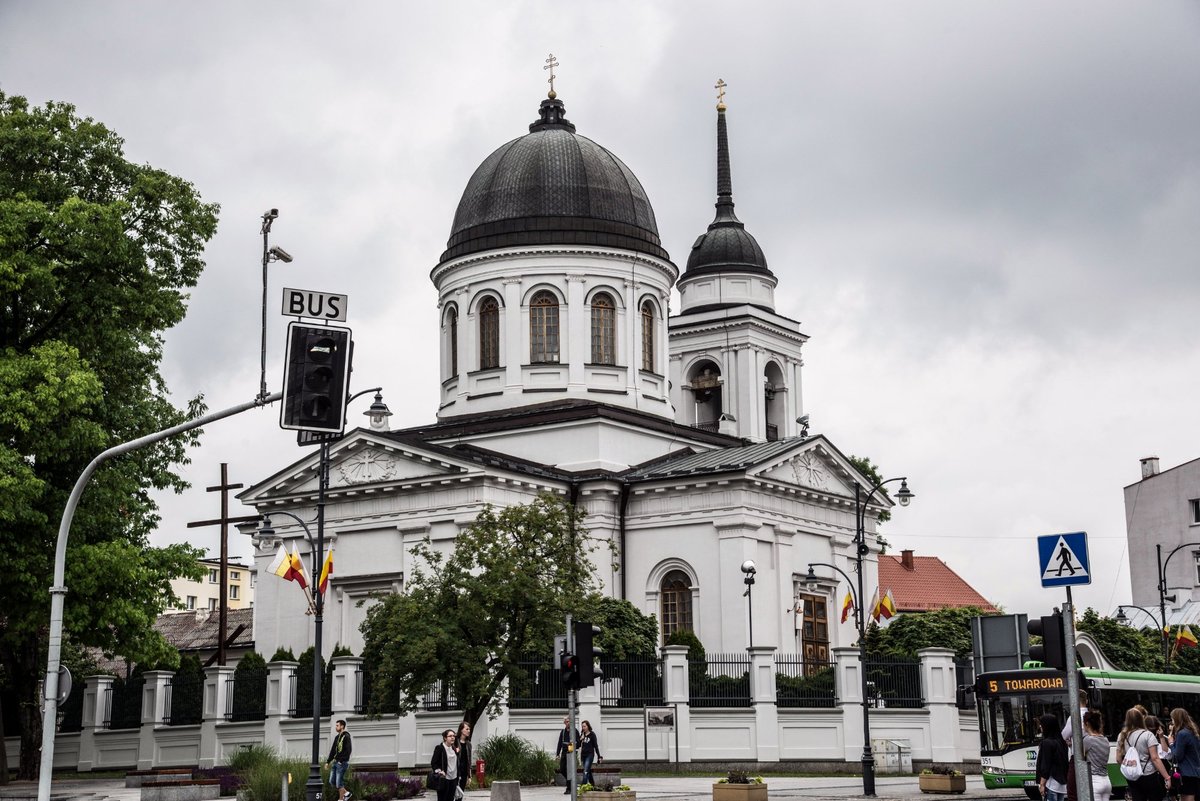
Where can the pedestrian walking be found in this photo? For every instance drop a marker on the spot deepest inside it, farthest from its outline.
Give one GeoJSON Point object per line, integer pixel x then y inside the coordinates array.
{"type": "Point", "coordinates": [589, 751]}
{"type": "Point", "coordinates": [1052, 760]}
{"type": "Point", "coordinates": [463, 744]}
{"type": "Point", "coordinates": [1095, 751]}
{"type": "Point", "coordinates": [444, 766]}
{"type": "Point", "coordinates": [338, 760]}
{"type": "Point", "coordinates": [1134, 737]}
{"type": "Point", "coordinates": [1185, 751]}
{"type": "Point", "coordinates": [566, 744]}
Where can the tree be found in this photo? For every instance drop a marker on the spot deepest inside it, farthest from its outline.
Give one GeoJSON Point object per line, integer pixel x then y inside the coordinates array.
{"type": "Point", "coordinates": [625, 633]}
{"type": "Point", "coordinates": [469, 618]}
{"type": "Point", "coordinates": [1126, 647]}
{"type": "Point", "coordinates": [949, 627]}
{"type": "Point", "coordinates": [871, 473]}
{"type": "Point", "coordinates": [95, 256]}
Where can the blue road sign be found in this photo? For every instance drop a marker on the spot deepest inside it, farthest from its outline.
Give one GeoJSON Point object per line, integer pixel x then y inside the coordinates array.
{"type": "Point", "coordinates": [1064, 559]}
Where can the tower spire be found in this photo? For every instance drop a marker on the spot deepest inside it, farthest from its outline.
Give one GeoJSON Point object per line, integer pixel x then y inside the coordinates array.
{"type": "Point", "coordinates": [724, 176]}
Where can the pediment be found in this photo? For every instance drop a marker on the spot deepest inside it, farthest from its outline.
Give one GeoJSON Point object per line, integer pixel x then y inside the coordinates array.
{"type": "Point", "coordinates": [359, 460]}
{"type": "Point", "coordinates": [813, 467]}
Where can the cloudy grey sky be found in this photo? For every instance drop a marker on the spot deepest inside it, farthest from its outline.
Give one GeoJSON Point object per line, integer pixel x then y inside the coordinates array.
{"type": "Point", "coordinates": [985, 215]}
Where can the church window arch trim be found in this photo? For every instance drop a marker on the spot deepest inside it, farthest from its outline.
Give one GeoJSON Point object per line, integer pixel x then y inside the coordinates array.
{"type": "Point", "coordinates": [673, 593]}
{"type": "Point", "coordinates": [450, 326]}
{"type": "Point", "coordinates": [603, 311]}
{"type": "Point", "coordinates": [545, 331]}
{"type": "Point", "coordinates": [488, 310]}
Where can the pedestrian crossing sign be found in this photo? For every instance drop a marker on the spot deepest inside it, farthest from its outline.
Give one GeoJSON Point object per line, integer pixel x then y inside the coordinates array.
{"type": "Point", "coordinates": [1064, 559]}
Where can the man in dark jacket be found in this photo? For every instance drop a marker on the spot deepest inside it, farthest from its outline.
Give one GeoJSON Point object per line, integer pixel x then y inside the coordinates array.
{"type": "Point", "coordinates": [339, 758]}
{"type": "Point", "coordinates": [566, 744]}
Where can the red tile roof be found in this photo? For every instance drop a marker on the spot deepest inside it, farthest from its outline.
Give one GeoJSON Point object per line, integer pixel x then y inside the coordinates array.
{"type": "Point", "coordinates": [924, 583]}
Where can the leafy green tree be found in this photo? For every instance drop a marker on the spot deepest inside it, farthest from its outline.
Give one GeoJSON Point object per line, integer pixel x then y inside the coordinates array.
{"type": "Point", "coordinates": [468, 618]}
{"type": "Point", "coordinates": [871, 473]}
{"type": "Point", "coordinates": [1126, 647]}
{"type": "Point", "coordinates": [96, 255]}
{"type": "Point", "coordinates": [250, 687]}
{"type": "Point", "coordinates": [625, 633]}
{"type": "Point", "coordinates": [940, 628]}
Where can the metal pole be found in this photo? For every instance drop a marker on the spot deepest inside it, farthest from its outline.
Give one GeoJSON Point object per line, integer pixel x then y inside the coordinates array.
{"type": "Point", "coordinates": [267, 219]}
{"type": "Point", "coordinates": [1083, 779]}
{"type": "Point", "coordinates": [750, 607]}
{"type": "Point", "coordinates": [572, 700]}
{"type": "Point", "coordinates": [1162, 604]}
{"type": "Point", "coordinates": [868, 758]}
{"type": "Point", "coordinates": [314, 788]}
{"type": "Point", "coordinates": [58, 589]}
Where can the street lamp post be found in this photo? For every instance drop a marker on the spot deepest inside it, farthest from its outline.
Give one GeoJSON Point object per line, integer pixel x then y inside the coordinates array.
{"type": "Point", "coordinates": [749, 569]}
{"type": "Point", "coordinates": [1162, 627]}
{"type": "Point", "coordinates": [861, 549]}
{"type": "Point", "coordinates": [1162, 591]}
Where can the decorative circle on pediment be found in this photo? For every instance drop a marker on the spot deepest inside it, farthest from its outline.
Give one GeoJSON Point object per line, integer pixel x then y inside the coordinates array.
{"type": "Point", "coordinates": [367, 465]}
{"type": "Point", "coordinates": [809, 471]}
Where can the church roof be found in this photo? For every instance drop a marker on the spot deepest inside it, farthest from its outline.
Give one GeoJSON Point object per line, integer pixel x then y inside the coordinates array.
{"type": "Point", "coordinates": [925, 583]}
{"type": "Point", "coordinates": [720, 460]}
{"type": "Point", "coordinates": [553, 187]}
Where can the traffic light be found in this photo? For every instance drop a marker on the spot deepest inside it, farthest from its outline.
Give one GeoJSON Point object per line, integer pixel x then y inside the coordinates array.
{"type": "Point", "coordinates": [588, 653]}
{"type": "Point", "coordinates": [315, 375]}
{"type": "Point", "coordinates": [1053, 650]}
{"type": "Point", "coordinates": [570, 671]}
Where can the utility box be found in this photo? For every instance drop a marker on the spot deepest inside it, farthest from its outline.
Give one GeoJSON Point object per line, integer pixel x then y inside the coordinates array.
{"type": "Point", "coordinates": [892, 755]}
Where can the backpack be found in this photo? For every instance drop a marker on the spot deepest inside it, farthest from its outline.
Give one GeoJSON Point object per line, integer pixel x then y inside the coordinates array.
{"type": "Point", "coordinates": [1131, 765]}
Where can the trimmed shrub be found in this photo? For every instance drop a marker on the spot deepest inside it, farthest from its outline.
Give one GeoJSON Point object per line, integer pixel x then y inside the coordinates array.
{"type": "Point", "coordinates": [510, 758]}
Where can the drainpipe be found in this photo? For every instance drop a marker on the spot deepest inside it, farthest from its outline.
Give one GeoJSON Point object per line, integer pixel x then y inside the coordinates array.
{"type": "Point", "coordinates": [622, 505]}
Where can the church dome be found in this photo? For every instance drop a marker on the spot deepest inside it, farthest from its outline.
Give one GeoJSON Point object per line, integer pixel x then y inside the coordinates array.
{"type": "Point", "coordinates": [553, 187]}
{"type": "Point", "coordinates": [726, 246]}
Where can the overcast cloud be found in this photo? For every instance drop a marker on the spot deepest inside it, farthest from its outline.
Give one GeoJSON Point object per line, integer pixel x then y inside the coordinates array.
{"type": "Point", "coordinates": [985, 215]}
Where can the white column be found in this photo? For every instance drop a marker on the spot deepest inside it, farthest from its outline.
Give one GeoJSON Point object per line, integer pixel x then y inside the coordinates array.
{"type": "Point", "coordinates": [216, 694]}
{"type": "Point", "coordinates": [939, 683]}
{"type": "Point", "coordinates": [574, 326]}
{"type": "Point", "coordinates": [677, 693]}
{"type": "Point", "coordinates": [762, 695]}
{"type": "Point", "coordinates": [513, 349]}
{"type": "Point", "coordinates": [154, 709]}
{"type": "Point", "coordinates": [345, 685]}
{"type": "Point", "coordinates": [95, 698]}
{"type": "Point", "coordinates": [281, 678]}
{"type": "Point", "coordinates": [848, 686]}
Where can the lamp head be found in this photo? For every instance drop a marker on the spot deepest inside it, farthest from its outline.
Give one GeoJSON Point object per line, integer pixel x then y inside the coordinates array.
{"type": "Point", "coordinates": [265, 529]}
{"type": "Point", "coordinates": [905, 495]}
{"type": "Point", "coordinates": [811, 576]}
{"type": "Point", "coordinates": [379, 412]}
{"type": "Point", "coordinates": [748, 567]}
{"type": "Point", "coordinates": [1121, 616]}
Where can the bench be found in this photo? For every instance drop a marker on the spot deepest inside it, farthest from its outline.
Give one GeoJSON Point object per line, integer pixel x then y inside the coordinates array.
{"type": "Point", "coordinates": [136, 778]}
{"type": "Point", "coordinates": [182, 790]}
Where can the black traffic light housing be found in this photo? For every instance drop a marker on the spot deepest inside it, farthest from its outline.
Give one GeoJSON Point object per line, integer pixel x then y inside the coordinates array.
{"type": "Point", "coordinates": [1053, 650]}
{"type": "Point", "coordinates": [315, 376]}
{"type": "Point", "coordinates": [569, 671]}
{"type": "Point", "coordinates": [588, 653]}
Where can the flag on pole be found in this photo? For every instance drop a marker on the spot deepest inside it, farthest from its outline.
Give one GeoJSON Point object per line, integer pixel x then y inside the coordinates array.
{"type": "Point", "coordinates": [1185, 638]}
{"type": "Point", "coordinates": [847, 605]}
{"type": "Point", "coordinates": [281, 565]}
{"type": "Point", "coordinates": [297, 573]}
{"type": "Point", "coordinates": [326, 572]}
{"type": "Point", "coordinates": [887, 605]}
{"type": "Point", "coordinates": [875, 605]}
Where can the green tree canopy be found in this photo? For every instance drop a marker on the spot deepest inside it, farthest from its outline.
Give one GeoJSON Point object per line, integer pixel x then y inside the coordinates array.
{"type": "Point", "coordinates": [1126, 647]}
{"type": "Point", "coordinates": [467, 619]}
{"type": "Point", "coordinates": [940, 628]}
{"type": "Point", "coordinates": [96, 255]}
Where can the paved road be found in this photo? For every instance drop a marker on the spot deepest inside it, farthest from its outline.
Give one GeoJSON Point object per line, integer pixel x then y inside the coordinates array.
{"type": "Point", "coordinates": [829, 788]}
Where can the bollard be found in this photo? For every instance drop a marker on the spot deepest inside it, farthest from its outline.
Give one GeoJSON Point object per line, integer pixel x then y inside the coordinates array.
{"type": "Point", "coordinates": [479, 766]}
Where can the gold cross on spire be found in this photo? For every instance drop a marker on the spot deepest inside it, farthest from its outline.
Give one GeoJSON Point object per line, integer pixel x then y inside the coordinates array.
{"type": "Point", "coordinates": [720, 87]}
{"type": "Point", "coordinates": [550, 65]}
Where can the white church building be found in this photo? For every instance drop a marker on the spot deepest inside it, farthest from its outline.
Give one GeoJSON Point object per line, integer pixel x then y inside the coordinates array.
{"type": "Point", "coordinates": [683, 436]}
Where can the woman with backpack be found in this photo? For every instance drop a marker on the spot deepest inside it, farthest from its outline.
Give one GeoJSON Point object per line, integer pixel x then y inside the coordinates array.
{"type": "Point", "coordinates": [1052, 760]}
{"type": "Point", "coordinates": [1137, 754]}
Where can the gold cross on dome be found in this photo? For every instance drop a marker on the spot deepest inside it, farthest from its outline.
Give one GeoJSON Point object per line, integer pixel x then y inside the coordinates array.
{"type": "Point", "coordinates": [550, 65]}
{"type": "Point", "coordinates": [720, 87]}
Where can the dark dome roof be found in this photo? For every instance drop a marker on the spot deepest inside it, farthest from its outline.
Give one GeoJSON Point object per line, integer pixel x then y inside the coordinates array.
{"type": "Point", "coordinates": [727, 246]}
{"type": "Point", "coordinates": [553, 187]}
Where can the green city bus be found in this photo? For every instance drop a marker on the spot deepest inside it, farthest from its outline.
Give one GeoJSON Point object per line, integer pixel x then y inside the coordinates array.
{"type": "Point", "coordinates": [1010, 702]}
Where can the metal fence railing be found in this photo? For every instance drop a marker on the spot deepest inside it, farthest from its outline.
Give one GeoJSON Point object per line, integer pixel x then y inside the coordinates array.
{"type": "Point", "coordinates": [535, 684]}
{"type": "Point", "coordinates": [964, 677]}
{"type": "Point", "coordinates": [440, 698]}
{"type": "Point", "coordinates": [631, 683]}
{"type": "Point", "coordinates": [720, 680]}
{"type": "Point", "coordinates": [122, 705]}
{"type": "Point", "coordinates": [804, 683]}
{"type": "Point", "coordinates": [894, 681]}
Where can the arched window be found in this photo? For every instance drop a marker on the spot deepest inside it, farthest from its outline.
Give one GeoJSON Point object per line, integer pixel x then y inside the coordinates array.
{"type": "Point", "coordinates": [452, 331]}
{"type": "Point", "coordinates": [543, 328]}
{"type": "Point", "coordinates": [604, 329]}
{"type": "Point", "coordinates": [676, 603]}
{"type": "Point", "coordinates": [489, 333]}
{"type": "Point", "coordinates": [648, 336]}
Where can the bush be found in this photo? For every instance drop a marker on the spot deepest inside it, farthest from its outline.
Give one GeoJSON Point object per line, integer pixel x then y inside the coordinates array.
{"type": "Point", "coordinates": [231, 782]}
{"type": "Point", "coordinates": [512, 758]}
{"type": "Point", "coordinates": [187, 691]}
{"type": "Point", "coordinates": [283, 655]}
{"type": "Point", "coordinates": [249, 757]}
{"type": "Point", "coordinates": [381, 786]}
{"type": "Point", "coordinates": [250, 688]}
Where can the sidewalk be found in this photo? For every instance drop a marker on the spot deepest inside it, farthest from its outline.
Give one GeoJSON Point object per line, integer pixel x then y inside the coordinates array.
{"type": "Point", "coordinates": [819, 788]}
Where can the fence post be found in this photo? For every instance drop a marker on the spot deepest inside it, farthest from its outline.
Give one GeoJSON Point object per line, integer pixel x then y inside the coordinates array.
{"type": "Point", "coordinates": [280, 676]}
{"type": "Point", "coordinates": [95, 692]}
{"type": "Point", "coordinates": [939, 681]}
{"type": "Point", "coordinates": [677, 693]}
{"type": "Point", "coordinates": [762, 695]}
{"type": "Point", "coordinates": [341, 701]}
{"type": "Point", "coordinates": [216, 693]}
{"type": "Point", "coordinates": [154, 709]}
{"type": "Point", "coordinates": [848, 684]}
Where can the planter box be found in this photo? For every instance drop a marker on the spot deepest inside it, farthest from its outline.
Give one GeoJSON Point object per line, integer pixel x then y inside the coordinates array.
{"type": "Point", "coordinates": [942, 783]}
{"type": "Point", "coordinates": [726, 791]}
{"type": "Point", "coordinates": [615, 795]}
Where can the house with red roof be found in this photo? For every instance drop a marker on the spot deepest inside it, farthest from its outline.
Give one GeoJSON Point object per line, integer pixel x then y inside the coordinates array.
{"type": "Point", "coordinates": [925, 583]}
